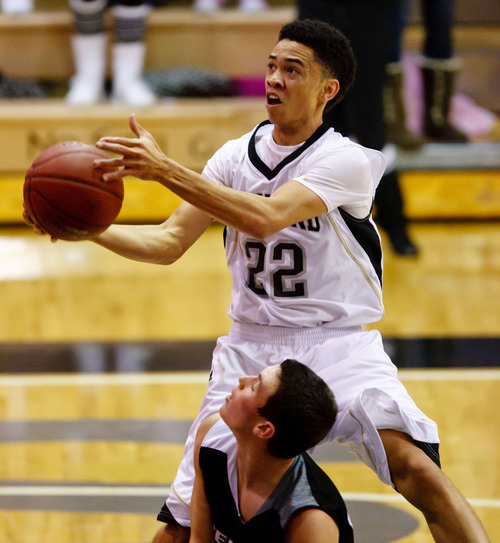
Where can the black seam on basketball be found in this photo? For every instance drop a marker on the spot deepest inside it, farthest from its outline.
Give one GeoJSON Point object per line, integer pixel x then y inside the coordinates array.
{"type": "Point", "coordinates": [64, 214]}
{"type": "Point", "coordinates": [59, 177]}
{"type": "Point", "coordinates": [36, 219]}
{"type": "Point", "coordinates": [75, 152]}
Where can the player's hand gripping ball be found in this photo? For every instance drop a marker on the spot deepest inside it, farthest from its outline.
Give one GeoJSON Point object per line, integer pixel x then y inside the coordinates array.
{"type": "Point", "coordinates": [64, 194]}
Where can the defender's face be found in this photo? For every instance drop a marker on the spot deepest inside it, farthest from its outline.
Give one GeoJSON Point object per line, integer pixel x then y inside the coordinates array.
{"type": "Point", "coordinates": [294, 84]}
{"type": "Point", "coordinates": [252, 392]}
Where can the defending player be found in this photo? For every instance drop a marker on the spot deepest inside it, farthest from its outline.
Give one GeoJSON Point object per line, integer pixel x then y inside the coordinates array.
{"type": "Point", "coordinates": [254, 482]}
{"type": "Point", "coordinates": [306, 262]}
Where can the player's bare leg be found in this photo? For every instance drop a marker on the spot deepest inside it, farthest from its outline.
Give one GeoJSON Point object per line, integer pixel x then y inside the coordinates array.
{"type": "Point", "coordinates": [169, 533]}
{"type": "Point", "coordinates": [448, 514]}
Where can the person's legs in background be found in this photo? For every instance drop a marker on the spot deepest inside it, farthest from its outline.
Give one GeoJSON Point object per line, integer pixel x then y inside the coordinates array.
{"type": "Point", "coordinates": [439, 69]}
{"type": "Point", "coordinates": [360, 115]}
{"type": "Point", "coordinates": [89, 43]}
{"type": "Point", "coordinates": [89, 52]}
{"type": "Point", "coordinates": [248, 6]}
{"type": "Point", "coordinates": [128, 53]}
{"type": "Point", "coordinates": [16, 6]}
{"type": "Point", "coordinates": [394, 103]}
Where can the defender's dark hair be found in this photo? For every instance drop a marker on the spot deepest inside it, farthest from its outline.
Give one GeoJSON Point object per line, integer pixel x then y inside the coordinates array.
{"type": "Point", "coordinates": [302, 410]}
{"type": "Point", "coordinates": [331, 49]}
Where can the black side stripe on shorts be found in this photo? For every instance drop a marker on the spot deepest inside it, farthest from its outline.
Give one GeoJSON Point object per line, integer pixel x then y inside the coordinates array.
{"type": "Point", "coordinates": [431, 450]}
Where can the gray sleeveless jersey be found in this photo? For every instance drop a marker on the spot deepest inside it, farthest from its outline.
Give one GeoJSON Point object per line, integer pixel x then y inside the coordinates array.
{"type": "Point", "coordinates": [303, 485]}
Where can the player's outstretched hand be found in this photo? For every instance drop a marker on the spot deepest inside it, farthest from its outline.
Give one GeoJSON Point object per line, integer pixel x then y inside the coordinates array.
{"type": "Point", "coordinates": [140, 157]}
{"type": "Point", "coordinates": [37, 229]}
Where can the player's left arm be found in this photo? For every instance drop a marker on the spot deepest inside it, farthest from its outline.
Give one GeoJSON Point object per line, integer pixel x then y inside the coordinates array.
{"type": "Point", "coordinates": [311, 525]}
{"type": "Point", "coordinates": [251, 214]}
{"type": "Point", "coordinates": [202, 530]}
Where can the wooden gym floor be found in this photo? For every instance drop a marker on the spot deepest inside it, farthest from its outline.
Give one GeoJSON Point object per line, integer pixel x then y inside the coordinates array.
{"type": "Point", "coordinates": [94, 405]}
{"type": "Point", "coordinates": [103, 362]}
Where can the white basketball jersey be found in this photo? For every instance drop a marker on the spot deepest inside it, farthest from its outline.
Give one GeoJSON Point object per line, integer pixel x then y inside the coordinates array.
{"type": "Point", "coordinates": [326, 271]}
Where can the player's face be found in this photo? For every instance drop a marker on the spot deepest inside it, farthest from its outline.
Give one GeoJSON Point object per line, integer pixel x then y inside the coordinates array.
{"type": "Point", "coordinates": [252, 392]}
{"type": "Point", "coordinates": [296, 91]}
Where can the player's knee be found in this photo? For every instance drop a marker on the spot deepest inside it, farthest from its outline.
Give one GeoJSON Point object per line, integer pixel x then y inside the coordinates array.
{"type": "Point", "coordinates": [419, 479]}
{"type": "Point", "coordinates": [170, 533]}
{"type": "Point", "coordinates": [418, 467]}
{"type": "Point", "coordinates": [408, 464]}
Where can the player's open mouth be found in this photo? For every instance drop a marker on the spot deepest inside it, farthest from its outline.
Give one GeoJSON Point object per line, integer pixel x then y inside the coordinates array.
{"type": "Point", "coordinates": [273, 100]}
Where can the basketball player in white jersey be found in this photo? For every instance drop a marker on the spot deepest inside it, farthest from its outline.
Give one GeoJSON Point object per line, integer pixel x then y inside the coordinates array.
{"type": "Point", "coordinates": [254, 481]}
{"type": "Point", "coordinates": [306, 262]}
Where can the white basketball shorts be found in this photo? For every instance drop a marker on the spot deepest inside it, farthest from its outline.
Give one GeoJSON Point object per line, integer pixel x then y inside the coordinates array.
{"type": "Point", "coordinates": [355, 366]}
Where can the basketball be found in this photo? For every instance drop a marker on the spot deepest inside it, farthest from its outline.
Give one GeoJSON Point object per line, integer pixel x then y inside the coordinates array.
{"type": "Point", "coordinates": [66, 196]}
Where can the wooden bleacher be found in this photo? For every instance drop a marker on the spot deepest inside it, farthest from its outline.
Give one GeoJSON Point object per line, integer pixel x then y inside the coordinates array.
{"type": "Point", "coordinates": [176, 37]}
{"type": "Point", "coordinates": [228, 42]}
{"type": "Point", "coordinates": [38, 45]}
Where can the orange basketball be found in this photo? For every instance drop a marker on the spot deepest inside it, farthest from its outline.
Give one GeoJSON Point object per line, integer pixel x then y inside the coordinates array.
{"type": "Point", "coordinates": [66, 196]}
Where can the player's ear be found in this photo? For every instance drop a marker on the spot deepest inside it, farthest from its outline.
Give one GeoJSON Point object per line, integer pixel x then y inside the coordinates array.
{"type": "Point", "coordinates": [330, 88]}
{"type": "Point", "coordinates": [264, 430]}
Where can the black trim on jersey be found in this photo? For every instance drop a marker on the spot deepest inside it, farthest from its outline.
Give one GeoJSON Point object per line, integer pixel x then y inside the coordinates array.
{"type": "Point", "coordinates": [366, 235]}
{"type": "Point", "coordinates": [263, 168]}
{"type": "Point", "coordinates": [323, 493]}
{"type": "Point", "coordinates": [218, 491]}
{"type": "Point", "coordinates": [265, 527]}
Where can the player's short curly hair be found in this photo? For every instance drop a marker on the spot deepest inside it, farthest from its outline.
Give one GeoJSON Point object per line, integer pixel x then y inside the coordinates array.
{"type": "Point", "coordinates": [302, 410]}
{"type": "Point", "coordinates": [331, 49]}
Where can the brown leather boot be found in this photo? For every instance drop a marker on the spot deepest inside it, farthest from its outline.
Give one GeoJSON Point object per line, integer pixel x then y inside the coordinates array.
{"type": "Point", "coordinates": [395, 111]}
{"type": "Point", "coordinates": [439, 83]}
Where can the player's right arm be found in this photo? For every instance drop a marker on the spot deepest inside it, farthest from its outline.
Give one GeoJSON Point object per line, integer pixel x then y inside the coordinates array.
{"type": "Point", "coordinates": [311, 525]}
{"type": "Point", "coordinates": [158, 244]}
{"type": "Point", "coordinates": [155, 243]}
{"type": "Point", "coordinates": [202, 530]}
